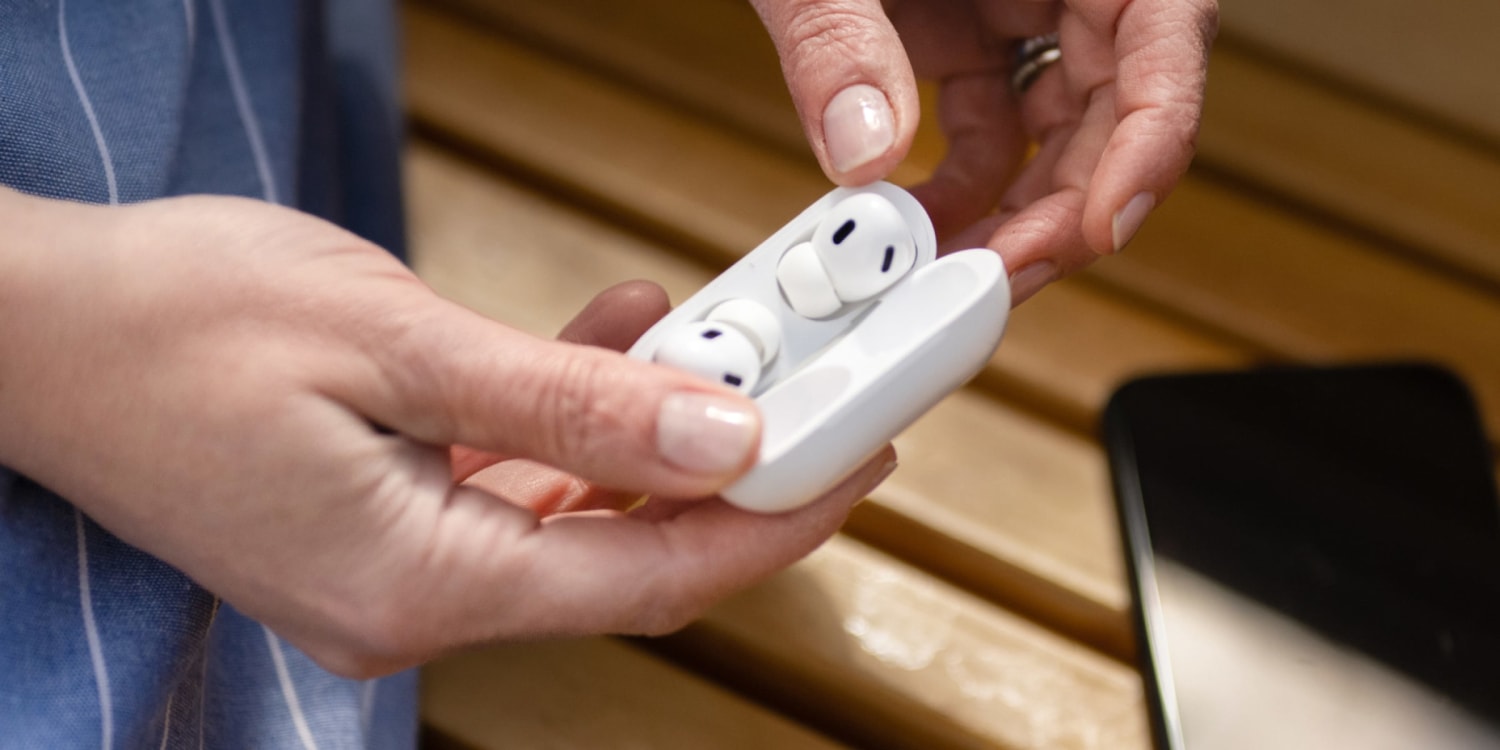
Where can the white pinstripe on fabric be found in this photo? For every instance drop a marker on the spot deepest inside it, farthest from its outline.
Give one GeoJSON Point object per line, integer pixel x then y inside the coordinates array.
{"type": "Point", "coordinates": [289, 690]}
{"type": "Point", "coordinates": [166, 728]}
{"type": "Point", "coordinates": [242, 99]}
{"type": "Point", "coordinates": [367, 705]}
{"type": "Point", "coordinates": [91, 632]}
{"type": "Point", "coordinates": [88, 106]}
{"type": "Point", "coordinates": [190, 17]}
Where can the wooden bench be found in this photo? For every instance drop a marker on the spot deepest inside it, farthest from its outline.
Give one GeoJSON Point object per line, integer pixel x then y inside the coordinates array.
{"type": "Point", "coordinates": [978, 598]}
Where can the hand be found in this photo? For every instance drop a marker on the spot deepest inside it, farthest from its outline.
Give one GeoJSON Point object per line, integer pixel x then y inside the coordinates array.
{"type": "Point", "coordinates": [1114, 122]}
{"type": "Point", "coordinates": [282, 410]}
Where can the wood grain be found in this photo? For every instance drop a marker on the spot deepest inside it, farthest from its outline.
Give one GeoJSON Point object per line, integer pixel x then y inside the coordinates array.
{"type": "Point", "coordinates": [1434, 57]}
{"type": "Point", "coordinates": [1307, 292]}
{"type": "Point", "coordinates": [692, 54]}
{"type": "Point", "coordinates": [593, 693]}
{"type": "Point", "coordinates": [1365, 166]}
{"type": "Point", "coordinates": [893, 659]}
{"type": "Point", "coordinates": [712, 58]}
{"type": "Point", "coordinates": [602, 145]}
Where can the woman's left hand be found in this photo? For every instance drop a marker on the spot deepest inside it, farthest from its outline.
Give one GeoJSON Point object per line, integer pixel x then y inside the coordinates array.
{"type": "Point", "coordinates": [1051, 177]}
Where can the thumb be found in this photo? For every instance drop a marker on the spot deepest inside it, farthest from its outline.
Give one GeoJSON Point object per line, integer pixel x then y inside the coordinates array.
{"type": "Point", "coordinates": [453, 377]}
{"type": "Point", "coordinates": [851, 81]}
{"type": "Point", "coordinates": [613, 319]}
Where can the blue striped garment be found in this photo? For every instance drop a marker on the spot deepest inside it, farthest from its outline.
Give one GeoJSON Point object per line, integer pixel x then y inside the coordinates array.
{"type": "Point", "coordinates": [116, 101]}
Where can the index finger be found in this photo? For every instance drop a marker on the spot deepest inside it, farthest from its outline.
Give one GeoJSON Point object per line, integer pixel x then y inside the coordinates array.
{"type": "Point", "coordinates": [1155, 52]}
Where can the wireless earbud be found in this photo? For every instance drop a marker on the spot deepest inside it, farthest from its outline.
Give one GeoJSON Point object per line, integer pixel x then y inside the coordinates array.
{"type": "Point", "coordinates": [865, 246]}
{"type": "Point", "coordinates": [713, 350]}
{"type": "Point", "coordinates": [860, 248]}
{"type": "Point", "coordinates": [739, 337]}
{"type": "Point", "coordinates": [755, 321]}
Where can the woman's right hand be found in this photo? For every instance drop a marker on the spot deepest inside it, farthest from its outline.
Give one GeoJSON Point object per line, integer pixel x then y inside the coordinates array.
{"type": "Point", "coordinates": [271, 404]}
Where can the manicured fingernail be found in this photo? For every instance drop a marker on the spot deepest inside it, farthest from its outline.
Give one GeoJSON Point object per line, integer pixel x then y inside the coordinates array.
{"type": "Point", "coordinates": [1130, 218]}
{"type": "Point", "coordinates": [858, 127]}
{"type": "Point", "coordinates": [706, 434]}
{"type": "Point", "coordinates": [1030, 279]}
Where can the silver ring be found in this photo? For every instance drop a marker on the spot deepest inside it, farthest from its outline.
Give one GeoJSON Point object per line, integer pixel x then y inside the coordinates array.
{"type": "Point", "coordinates": [1033, 55]}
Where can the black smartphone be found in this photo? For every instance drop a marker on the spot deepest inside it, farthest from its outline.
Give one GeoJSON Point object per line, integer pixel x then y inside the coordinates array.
{"type": "Point", "coordinates": [1315, 557]}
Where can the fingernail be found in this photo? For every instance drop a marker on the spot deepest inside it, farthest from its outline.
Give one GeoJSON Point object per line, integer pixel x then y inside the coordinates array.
{"type": "Point", "coordinates": [858, 127]}
{"type": "Point", "coordinates": [1130, 218]}
{"type": "Point", "coordinates": [1030, 279]}
{"type": "Point", "coordinates": [706, 434]}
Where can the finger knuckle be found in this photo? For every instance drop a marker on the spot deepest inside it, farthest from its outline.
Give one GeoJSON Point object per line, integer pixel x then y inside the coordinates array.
{"type": "Point", "coordinates": [819, 30]}
{"type": "Point", "coordinates": [1172, 127]}
{"type": "Point", "coordinates": [579, 407]}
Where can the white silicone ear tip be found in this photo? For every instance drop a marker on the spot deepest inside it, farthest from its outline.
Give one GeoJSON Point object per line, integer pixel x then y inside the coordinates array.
{"type": "Point", "coordinates": [755, 321]}
{"type": "Point", "coordinates": [805, 284]}
{"type": "Point", "coordinates": [713, 351]}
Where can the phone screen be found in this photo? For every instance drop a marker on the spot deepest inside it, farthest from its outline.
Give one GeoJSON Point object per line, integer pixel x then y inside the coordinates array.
{"type": "Point", "coordinates": [1315, 556]}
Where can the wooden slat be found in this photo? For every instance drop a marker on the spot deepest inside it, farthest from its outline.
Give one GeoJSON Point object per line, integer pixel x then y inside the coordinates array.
{"type": "Point", "coordinates": [1016, 507]}
{"type": "Point", "coordinates": [690, 53]}
{"type": "Point", "coordinates": [1435, 56]}
{"type": "Point", "coordinates": [693, 55]}
{"type": "Point", "coordinates": [605, 145]}
{"type": "Point", "coordinates": [1305, 291]}
{"type": "Point", "coordinates": [593, 692]}
{"type": "Point", "coordinates": [1069, 347]}
{"type": "Point", "coordinates": [517, 257]}
{"type": "Point", "coordinates": [893, 659]}
{"type": "Point", "coordinates": [1363, 164]}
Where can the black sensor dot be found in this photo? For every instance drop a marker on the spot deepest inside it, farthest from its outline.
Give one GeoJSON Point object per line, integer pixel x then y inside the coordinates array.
{"type": "Point", "coordinates": [712, 333]}
{"type": "Point", "coordinates": [890, 256]}
{"type": "Point", "coordinates": [843, 232]}
{"type": "Point", "coordinates": [733, 379]}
